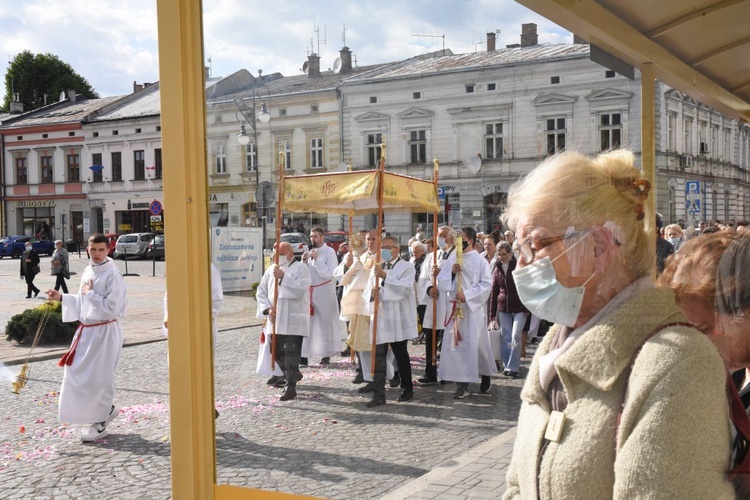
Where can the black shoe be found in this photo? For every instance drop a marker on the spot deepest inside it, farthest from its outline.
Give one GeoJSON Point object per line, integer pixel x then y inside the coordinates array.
{"type": "Point", "coordinates": [395, 381]}
{"type": "Point", "coordinates": [511, 374]}
{"type": "Point", "coordinates": [484, 387]}
{"type": "Point", "coordinates": [376, 401]}
{"type": "Point", "coordinates": [346, 353]}
{"type": "Point", "coordinates": [359, 379]}
{"type": "Point", "coordinates": [506, 372]}
{"type": "Point", "coordinates": [325, 361]}
{"type": "Point", "coordinates": [273, 380]}
{"type": "Point", "coordinates": [216, 413]}
{"type": "Point", "coordinates": [427, 380]}
{"type": "Point", "coordinates": [303, 362]}
{"type": "Point", "coordinates": [28, 296]}
{"type": "Point", "coordinates": [281, 382]}
{"type": "Point", "coordinates": [369, 387]}
{"type": "Point", "coordinates": [443, 382]}
{"type": "Point", "coordinates": [460, 391]}
{"type": "Point", "coordinates": [36, 293]}
{"type": "Point", "coordinates": [406, 395]}
{"type": "Point", "coordinates": [288, 394]}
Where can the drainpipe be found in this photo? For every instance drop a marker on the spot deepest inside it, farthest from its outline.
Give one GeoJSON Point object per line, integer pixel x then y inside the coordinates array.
{"type": "Point", "coordinates": [2, 185]}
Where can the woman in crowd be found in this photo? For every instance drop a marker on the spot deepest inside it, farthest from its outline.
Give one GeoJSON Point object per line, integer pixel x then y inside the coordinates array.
{"type": "Point", "coordinates": [673, 233]}
{"type": "Point", "coordinates": [60, 269]}
{"type": "Point", "coordinates": [609, 405]}
{"type": "Point", "coordinates": [506, 309]}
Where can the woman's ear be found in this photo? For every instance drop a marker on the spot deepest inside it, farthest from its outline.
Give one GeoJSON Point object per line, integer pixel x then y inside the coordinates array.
{"type": "Point", "coordinates": [604, 243]}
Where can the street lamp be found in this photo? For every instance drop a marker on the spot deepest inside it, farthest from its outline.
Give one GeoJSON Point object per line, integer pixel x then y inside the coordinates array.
{"type": "Point", "coordinates": [259, 92]}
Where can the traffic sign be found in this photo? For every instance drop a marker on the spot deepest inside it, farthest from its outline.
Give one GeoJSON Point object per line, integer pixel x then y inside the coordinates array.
{"type": "Point", "coordinates": [156, 218]}
{"type": "Point", "coordinates": [441, 193]}
{"type": "Point", "coordinates": [692, 189]}
{"type": "Point", "coordinates": [155, 207]}
{"type": "Point", "coordinates": [693, 205]}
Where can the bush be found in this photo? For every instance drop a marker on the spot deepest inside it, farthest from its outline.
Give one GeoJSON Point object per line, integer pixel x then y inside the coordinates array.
{"type": "Point", "coordinates": [22, 327]}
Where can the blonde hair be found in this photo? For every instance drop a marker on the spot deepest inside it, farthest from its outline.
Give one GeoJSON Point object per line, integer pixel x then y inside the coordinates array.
{"type": "Point", "coordinates": [676, 227]}
{"type": "Point", "coordinates": [570, 189]}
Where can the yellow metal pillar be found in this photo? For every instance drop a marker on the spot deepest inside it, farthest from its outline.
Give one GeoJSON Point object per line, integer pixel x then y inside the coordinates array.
{"type": "Point", "coordinates": [188, 284]}
{"type": "Point", "coordinates": [648, 147]}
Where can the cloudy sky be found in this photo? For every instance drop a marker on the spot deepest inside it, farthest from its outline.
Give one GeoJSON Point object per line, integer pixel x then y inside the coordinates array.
{"type": "Point", "coordinates": [113, 43]}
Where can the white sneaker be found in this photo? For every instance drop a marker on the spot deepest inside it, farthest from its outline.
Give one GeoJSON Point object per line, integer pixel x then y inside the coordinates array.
{"type": "Point", "coordinates": [112, 414]}
{"type": "Point", "coordinates": [95, 432]}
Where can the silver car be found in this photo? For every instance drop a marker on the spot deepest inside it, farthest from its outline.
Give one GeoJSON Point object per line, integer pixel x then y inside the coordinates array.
{"type": "Point", "coordinates": [133, 245]}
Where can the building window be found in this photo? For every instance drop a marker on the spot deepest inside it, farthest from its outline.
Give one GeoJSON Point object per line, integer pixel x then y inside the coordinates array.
{"type": "Point", "coordinates": [672, 132]}
{"type": "Point", "coordinates": [45, 136]}
{"type": "Point", "coordinates": [373, 149]}
{"type": "Point", "coordinates": [282, 111]}
{"type": "Point", "coordinates": [137, 131]}
{"type": "Point", "coordinates": [251, 158]}
{"type": "Point", "coordinates": [418, 146]}
{"type": "Point", "coordinates": [687, 139]}
{"type": "Point", "coordinates": [491, 86]}
{"type": "Point", "coordinates": [554, 80]}
{"type": "Point", "coordinates": [286, 148]}
{"type": "Point", "coordinates": [74, 168]}
{"type": "Point", "coordinates": [715, 141]}
{"type": "Point", "coordinates": [469, 88]}
{"type": "Point", "coordinates": [157, 163]}
{"type": "Point", "coordinates": [416, 95]}
{"type": "Point", "coordinates": [95, 134]}
{"type": "Point", "coordinates": [117, 166]}
{"type": "Point", "coordinates": [316, 152]}
{"type": "Point", "coordinates": [703, 137]}
{"type": "Point", "coordinates": [115, 132]}
{"type": "Point", "coordinates": [373, 100]}
{"type": "Point", "coordinates": [22, 176]}
{"type": "Point", "coordinates": [610, 131]}
{"type": "Point", "coordinates": [139, 165]}
{"type": "Point", "coordinates": [46, 170]}
{"type": "Point", "coordinates": [493, 141]}
{"type": "Point", "coordinates": [314, 108]}
{"type": "Point", "coordinates": [727, 145]}
{"type": "Point", "coordinates": [220, 154]}
{"type": "Point", "coordinates": [96, 175]}
{"type": "Point", "coordinates": [555, 132]}
{"type": "Point", "coordinates": [158, 128]}
{"type": "Point", "coordinates": [609, 74]}
{"type": "Point", "coordinates": [71, 134]}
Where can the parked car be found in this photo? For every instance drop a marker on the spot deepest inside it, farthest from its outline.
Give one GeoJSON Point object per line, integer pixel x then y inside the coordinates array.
{"type": "Point", "coordinates": [14, 246]}
{"type": "Point", "coordinates": [300, 242]}
{"type": "Point", "coordinates": [111, 244]}
{"type": "Point", "coordinates": [156, 248]}
{"type": "Point", "coordinates": [133, 245]}
{"type": "Point", "coordinates": [334, 239]}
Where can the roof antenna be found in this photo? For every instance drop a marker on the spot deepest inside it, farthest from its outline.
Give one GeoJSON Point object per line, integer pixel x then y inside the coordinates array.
{"type": "Point", "coordinates": [343, 36]}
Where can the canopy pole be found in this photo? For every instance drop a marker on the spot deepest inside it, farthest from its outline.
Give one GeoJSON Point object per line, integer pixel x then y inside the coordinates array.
{"type": "Point", "coordinates": [435, 162]}
{"type": "Point", "coordinates": [351, 251]}
{"type": "Point", "coordinates": [376, 289]}
{"type": "Point", "coordinates": [279, 202]}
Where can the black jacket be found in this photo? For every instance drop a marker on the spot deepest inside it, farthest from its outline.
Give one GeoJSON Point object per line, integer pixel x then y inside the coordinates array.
{"type": "Point", "coordinates": [27, 267]}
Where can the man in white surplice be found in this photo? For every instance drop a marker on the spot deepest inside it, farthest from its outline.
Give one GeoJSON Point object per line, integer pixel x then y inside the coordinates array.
{"type": "Point", "coordinates": [466, 354]}
{"type": "Point", "coordinates": [291, 313]}
{"type": "Point", "coordinates": [397, 317]}
{"type": "Point", "coordinates": [325, 327]}
{"type": "Point", "coordinates": [88, 387]}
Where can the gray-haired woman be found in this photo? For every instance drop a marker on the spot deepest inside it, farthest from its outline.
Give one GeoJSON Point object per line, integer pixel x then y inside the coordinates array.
{"type": "Point", "coordinates": [60, 267]}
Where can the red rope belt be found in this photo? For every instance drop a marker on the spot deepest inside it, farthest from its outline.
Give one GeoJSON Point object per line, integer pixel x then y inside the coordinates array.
{"type": "Point", "coordinates": [312, 313]}
{"type": "Point", "coordinates": [457, 337]}
{"type": "Point", "coordinates": [67, 358]}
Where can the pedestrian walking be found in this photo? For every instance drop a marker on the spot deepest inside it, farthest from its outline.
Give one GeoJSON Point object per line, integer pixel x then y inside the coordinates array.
{"type": "Point", "coordinates": [88, 387]}
{"type": "Point", "coordinates": [29, 269]}
{"type": "Point", "coordinates": [60, 268]}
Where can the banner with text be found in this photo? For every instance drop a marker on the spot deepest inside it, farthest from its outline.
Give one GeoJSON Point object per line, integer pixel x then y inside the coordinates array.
{"type": "Point", "coordinates": [236, 252]}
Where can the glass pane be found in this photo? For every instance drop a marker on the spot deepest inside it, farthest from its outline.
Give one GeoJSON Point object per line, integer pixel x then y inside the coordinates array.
{"type": "Point", "coordinates": [605, 120]}
{"type": "Point", "coordinates": [616, 118]}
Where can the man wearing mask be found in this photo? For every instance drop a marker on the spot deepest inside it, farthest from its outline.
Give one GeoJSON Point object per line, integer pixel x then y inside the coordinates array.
{"type": "Point", "coordinates": [426, 292]}
{"type": "Point", "coordinates": [291, 313]}
{"type": "Point", "coordinates": [325, 332]}
{"type": "Point", "coordinates": [397, 317]}
{"type": "Point", "coordinates": [466, 354]}
{"type": "Point", "coordinates": [29, 269]}
{"type": "Point", "coordinates": [418, 255]}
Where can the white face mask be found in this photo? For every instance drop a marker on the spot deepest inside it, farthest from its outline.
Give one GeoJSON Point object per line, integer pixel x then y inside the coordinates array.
{"type": "Point", "coordinates": [674, 241]}
{"type": "Point", "coordinates": [544, 296]}
{"type": "Point", "coordinates": [441, 242]}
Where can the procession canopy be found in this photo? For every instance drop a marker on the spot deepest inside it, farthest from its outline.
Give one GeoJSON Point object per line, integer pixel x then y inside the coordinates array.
{"type": "Point", "coordinates": [356, 192]}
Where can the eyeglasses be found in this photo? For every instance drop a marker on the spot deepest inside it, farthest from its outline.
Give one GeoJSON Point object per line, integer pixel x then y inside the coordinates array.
{"type": "Point", "coordinates": [529, 253]}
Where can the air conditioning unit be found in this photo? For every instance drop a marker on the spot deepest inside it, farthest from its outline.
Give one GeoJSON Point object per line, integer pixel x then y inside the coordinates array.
{"type": "Point", "coordinates": [686, 161]}
{"type": "Point", "coordinates": [704, 148]}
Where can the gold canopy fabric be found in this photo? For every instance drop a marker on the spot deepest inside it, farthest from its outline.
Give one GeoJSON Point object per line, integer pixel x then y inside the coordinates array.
{"type": "Point", "coordinates": [357, 193]}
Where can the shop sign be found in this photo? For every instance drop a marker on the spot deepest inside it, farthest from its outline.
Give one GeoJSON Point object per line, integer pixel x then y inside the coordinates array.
{"type": "Point", "coordinates": [35, 203]}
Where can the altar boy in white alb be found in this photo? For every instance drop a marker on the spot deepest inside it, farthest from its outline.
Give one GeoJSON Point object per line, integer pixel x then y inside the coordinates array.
{"type": "Point", "coordinates": [88, 386]}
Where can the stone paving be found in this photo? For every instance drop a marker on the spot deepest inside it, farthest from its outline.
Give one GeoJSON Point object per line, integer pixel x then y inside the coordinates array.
{"type": "Point", "coordinates": [326, 443]}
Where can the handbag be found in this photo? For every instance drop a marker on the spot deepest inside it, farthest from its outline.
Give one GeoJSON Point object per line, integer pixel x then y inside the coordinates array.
{"type": "Point", "coordinates": [65, 270]}
{"type": "Point", "coordinates": [36, 270]}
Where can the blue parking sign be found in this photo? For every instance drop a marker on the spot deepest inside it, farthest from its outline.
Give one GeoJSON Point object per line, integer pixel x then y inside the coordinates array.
{"type": "Point", "coordinates": [693, 188]}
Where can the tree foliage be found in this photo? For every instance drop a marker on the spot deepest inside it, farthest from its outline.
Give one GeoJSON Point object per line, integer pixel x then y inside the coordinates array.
{"type": "Point", "coordinates": [32, 76]}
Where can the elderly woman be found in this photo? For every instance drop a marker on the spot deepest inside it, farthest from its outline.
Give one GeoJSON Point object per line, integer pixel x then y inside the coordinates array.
{"type": "Point", "coordinates": [610, 404]}
{"type": "Point", "coordinates": [673, 234]}
{"type": "Point", "coordinates": [60, 269]}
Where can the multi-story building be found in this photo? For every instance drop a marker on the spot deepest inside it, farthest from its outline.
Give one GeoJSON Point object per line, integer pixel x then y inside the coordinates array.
{"type": "Point", "coordinates": [44, 171]}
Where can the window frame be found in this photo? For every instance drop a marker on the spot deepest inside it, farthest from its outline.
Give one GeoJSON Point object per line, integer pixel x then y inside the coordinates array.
{"type": "Point", "coordinates": [555, 133]}
{"type": "Point", "coordinates": [21, 167]}
{"type": "Point", "coordinates": [251, 157]}
{"type": "Point", "coordinates": [116, 166]}
{"type": "Point", "coordinates": [46, 167]}
{"type": "Point", "coordinates": [73, 167]}
{"type": "Point", "coordinates": [495, 136]}
{"type": "Point", "coordinates": [373, 152]}
{"type": "Point", "coordinates": [417, 146]}
{"type": "Point", "coordinates": [158, 165]}
{"type": "Point", "coordinates": [139, 165]}
{"type": "Point", "coordinates": [220, 159]}
{"type": "Point", "coordinates": [316, 152]}
{"type": "Point", "coordinates": [96, 176]}
{"type": "Point", "coordinates": [609, 129]}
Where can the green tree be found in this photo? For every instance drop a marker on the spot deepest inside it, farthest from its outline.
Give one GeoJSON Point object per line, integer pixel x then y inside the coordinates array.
{"type": "Point", "coordinates": [32, 76]}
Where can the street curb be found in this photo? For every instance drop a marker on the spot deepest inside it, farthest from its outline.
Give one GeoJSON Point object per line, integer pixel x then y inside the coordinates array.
{"type": "Point", "coordinates": [450, 466]}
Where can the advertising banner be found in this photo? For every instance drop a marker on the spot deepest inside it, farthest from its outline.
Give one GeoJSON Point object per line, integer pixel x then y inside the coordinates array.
{"type": "Point", "coordinates": [236, 252]}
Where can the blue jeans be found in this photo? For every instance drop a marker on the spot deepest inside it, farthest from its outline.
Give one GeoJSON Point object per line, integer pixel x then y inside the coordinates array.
{"type": "Point", "coordinates": [511, 328]}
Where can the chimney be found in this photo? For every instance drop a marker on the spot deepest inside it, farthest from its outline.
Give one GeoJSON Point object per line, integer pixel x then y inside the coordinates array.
{"type": "Point", "coordinates": [346, 60]}
{"type": "Point", "coordinates": [529, 37]}
{"type": "Point", "coordinates": [490, 42]}
{"type": "Point", "coordinates": [72, 96]}
{"type": "Point", "coordinates": [313, 68]}
{"type": "Point", "coordinates": [578, 40]}
{"type": "Point", "coordinates": [16, 107]}
{"type": "Point", "coordinates": [137, 87]}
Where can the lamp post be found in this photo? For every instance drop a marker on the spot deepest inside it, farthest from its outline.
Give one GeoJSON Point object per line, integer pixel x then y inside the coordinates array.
{"type": "Point", "coordinates": [251, 115]}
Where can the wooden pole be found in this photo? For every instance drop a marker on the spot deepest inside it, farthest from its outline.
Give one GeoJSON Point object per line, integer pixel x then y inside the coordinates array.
{"type": "Point", "coordinates": [279, 202]}
{"type": "Point", "coordinates": [436, 162]}
{"type": "Point", "coordinates": [351, 251]}
{"type": "Point", "coordinates": [381, 177]}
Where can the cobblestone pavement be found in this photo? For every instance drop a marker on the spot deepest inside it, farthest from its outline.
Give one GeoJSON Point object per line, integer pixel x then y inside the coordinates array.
{"type": "Point", "coordinates": [326, 443]}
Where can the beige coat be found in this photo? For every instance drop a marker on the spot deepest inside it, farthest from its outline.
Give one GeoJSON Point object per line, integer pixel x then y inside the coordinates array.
{"type": "Point", "coordinates": [674, 436]}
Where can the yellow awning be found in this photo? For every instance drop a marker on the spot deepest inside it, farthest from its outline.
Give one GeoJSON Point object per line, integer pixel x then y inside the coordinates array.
{"type": "Point", "coordinates": [356, 193]}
